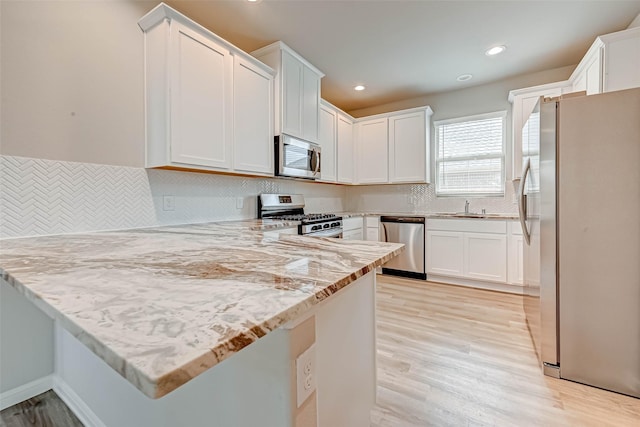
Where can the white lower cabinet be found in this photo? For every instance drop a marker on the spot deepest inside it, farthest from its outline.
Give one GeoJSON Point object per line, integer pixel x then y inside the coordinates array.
{"type": "Point", "coordinates": [515, 256]}
{"type": "Point", "coordinates": [485, 256]}
{"type": "Point", "coordinates": [481, 253]}
{"type": "Point", "coordinates": [352, 228]}
{"type": "Point", "coordinates": [372, 228]}
{"type": "Point", "coordinates": [444, 253]}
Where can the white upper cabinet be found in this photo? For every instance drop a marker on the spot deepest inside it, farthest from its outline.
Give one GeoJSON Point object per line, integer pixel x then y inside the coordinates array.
{"type": "Point", "coordinates": [393, 147]}
{"type": "Point", "coordinates": [372, 161]}
{"type": "Point", "coordinates": [409, 147]}
{"type": "Point", "coordinates": [202, 97]}
{"type": "Point", "coordinates": [328, 134]}
{"type": "Point", "coordinates": [345, 150]}
{"type": "Point", "coordinates": [611, 63]}
{"type": "Point", "coordinates": [252, 118]}
{"type": "Point", "coordinates": [297, 91]}
{"type": "Point", "coordinates": [523, 101]}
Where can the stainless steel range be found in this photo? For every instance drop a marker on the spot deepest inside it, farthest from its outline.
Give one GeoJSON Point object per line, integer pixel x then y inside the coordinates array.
{"type": "Point", "coordinates": [290, 207]}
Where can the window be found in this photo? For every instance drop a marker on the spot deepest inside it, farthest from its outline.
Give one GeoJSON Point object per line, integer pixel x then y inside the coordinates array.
{"type": "Point", "coordinates": [470, 155]}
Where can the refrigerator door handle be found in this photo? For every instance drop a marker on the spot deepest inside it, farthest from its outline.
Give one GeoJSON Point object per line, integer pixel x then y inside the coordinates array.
{"type": "Point", "coordinates": [522, 201]}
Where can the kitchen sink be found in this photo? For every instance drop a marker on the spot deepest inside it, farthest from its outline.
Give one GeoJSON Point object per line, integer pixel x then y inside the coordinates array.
{"type": "Point", "coordinates": [467, 215]}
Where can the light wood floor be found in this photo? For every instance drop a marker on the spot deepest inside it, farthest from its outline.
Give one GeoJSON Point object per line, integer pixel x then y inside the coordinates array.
{"type": "Point", "coordinates": [44, 410]}
{"type": "Point", "coordinates": [455, 356]}
{"type": "Point", "coordinates": [447, 356]}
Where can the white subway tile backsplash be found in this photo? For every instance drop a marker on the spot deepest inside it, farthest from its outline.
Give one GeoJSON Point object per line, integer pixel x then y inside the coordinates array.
{"type": "Point", "coordinates": [39, 196]}
{"type": "Point", "coordinates": [421, 198]}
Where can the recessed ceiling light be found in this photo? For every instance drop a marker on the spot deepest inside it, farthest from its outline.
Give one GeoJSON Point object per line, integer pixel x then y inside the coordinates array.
{"type": "Point", "coordinates": [254, 1]}
{"type": "Point", "coordinates": [359, 87]}
{"type": "Point", "coordinates": [495, 50]}
{"type": "Point", "coordinates": [464, 77]}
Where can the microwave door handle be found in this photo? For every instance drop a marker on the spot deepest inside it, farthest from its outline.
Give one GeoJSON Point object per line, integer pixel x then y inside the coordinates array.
{"type": "Point", "coordinates": [522, 201]}
{"type": "Point", "coordinates": [315, 156]}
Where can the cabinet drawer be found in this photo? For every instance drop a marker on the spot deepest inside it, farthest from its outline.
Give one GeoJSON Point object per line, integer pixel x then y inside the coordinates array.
{"type": "Point", "coordinates": [468, 225]}
{"type": "Point", "coordinates": [372, 221]}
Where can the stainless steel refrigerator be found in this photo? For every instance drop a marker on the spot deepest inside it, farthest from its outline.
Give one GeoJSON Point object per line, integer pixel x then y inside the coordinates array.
{"type": "Point", "coordinates": [579, 202]}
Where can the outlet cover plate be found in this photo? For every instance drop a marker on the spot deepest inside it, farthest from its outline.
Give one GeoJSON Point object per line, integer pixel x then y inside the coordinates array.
{"type": "Point", "coordinates": [306, 374]}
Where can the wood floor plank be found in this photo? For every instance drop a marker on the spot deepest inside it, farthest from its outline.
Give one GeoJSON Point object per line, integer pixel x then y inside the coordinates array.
{"type": "Point", "coordinates": [456, 356]}
{"type": "Point", "coordinates": [43, 410]}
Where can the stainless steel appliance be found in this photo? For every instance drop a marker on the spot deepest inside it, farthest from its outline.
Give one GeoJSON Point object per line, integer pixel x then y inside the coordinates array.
{"type": "Point", "coordinates": [579, 203]}
{"type": "Point", "coordinates": [410, 231]}
{"type": "Point", "coordinates": [290, 207]}
{"type": "Point", "coordinates": [297, 158]}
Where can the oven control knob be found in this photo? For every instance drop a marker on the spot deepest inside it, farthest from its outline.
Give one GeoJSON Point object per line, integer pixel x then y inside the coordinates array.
{"type": "Point", "coordinates": [316, 227]}
{"type": "Point", "coordinates": [326, 226]}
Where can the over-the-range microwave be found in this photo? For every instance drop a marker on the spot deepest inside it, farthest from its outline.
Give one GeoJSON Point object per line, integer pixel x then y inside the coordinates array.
{"type": "Point", "coordinates": [296, 157]}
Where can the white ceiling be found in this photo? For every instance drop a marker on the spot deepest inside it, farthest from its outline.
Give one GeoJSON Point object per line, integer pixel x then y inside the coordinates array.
{"type": "Point", "coordinates": [402, 49]}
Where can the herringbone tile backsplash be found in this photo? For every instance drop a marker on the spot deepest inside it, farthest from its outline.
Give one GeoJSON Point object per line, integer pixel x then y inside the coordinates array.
{"type": "Point", "coordinates": [39, 197]}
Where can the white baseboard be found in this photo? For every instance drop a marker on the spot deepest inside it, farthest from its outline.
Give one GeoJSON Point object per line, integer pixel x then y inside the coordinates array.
{"type": "Point", "coordinates": [491, 286]}
{"type": "Point", "coordinates": [76, 404]}
{"type": "Point", "coordinates": [25, 391]}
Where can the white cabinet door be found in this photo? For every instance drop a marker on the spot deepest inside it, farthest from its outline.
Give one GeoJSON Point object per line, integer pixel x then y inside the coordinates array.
{"type": "Point", "coordinates": [408, 148]}
{"type": "Point", "coordinates": [373, 234]}
{"type": "Point", "coordinates": [292, 89]}
{"type": "Point", "coordinates": [485, 256]}
{"type": "Point", "coordinates": [310, 104]}
{"type": "Point", "coordinates": [445, 253]}
{"type": "Point", "coordinates": [515, 259]}
{"type": "Point", "coordinates": [327, 136]}
{"type": "Point", "coordinates": [594, 74]}
{"type": "Point", "coordinates": [353, 228]}
{"type": "Point", "coordinates": [524, 100]}
{"type": "Point", "coordinates": [622, 62]}
{"type": "Point", "coordinates": [345, 150]}
{"type": "Point", "coordinates": [372, 161]}
{"type": "Point", "coordinates": [201, 105]}
{"type": "Point", "coordinates": [252, 119]}
{"type": "Point", "coordinates": [353, 235]}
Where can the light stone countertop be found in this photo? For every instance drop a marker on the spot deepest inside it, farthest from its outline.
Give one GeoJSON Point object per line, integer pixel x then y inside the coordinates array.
{"type": "Point", "coordinates": [434, 215]}
{"type": "Point", "coordinates": [162, 305]}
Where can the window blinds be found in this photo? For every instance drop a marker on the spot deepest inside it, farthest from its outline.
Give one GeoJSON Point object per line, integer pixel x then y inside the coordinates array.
{"type": "Point", "coordinates": [470, 156]}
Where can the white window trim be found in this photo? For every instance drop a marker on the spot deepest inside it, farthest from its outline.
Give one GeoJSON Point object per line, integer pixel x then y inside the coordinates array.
{"type": "Point", "coordinates": [501, 114]}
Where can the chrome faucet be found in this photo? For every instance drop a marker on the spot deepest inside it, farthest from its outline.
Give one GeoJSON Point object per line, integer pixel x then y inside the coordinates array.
{"type": "Point", "coordinates": [466, 206]}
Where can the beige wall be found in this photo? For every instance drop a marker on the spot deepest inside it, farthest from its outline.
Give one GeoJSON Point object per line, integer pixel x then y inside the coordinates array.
{"type": "Point", "coordinates": [72, 80]}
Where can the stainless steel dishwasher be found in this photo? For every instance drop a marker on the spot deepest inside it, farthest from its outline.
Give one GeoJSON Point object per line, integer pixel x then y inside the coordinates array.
{"type": "Point", "coordinates": [410, 231]}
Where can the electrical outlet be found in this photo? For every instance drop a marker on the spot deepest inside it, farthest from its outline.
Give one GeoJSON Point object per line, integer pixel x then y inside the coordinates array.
{"type": "Point", "coordinates": [168, 203]}
{"type": "Point", "coordinates": [305, 374]}
{"type": "Point", "coordinates": [239, 202]}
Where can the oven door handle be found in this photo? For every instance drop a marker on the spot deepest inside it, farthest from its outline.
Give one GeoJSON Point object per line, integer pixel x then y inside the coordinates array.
{"type": "Point", "coordinates": [329, 233]}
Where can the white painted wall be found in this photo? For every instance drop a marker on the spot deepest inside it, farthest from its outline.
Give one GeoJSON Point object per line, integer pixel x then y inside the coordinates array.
{"type": "Point", "coordinates": [72, 80]}
{"type": "Point", "coordinates": [26, 340]}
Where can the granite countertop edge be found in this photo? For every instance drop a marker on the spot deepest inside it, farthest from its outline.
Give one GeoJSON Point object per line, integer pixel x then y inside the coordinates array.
{"type": "Point", "coordinates": [156, 386]}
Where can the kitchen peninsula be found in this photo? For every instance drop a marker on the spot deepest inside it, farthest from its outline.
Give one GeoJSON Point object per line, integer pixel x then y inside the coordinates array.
{"type": "Point", "coordinates": [162, 306]}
